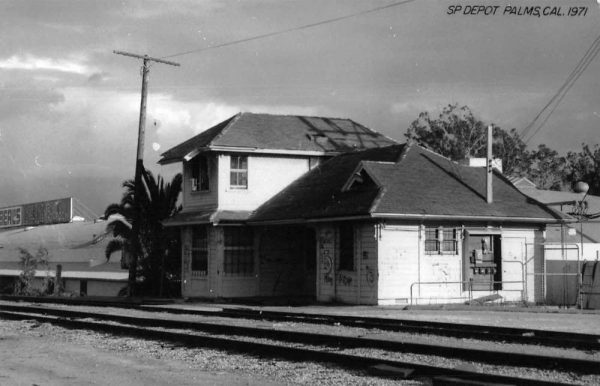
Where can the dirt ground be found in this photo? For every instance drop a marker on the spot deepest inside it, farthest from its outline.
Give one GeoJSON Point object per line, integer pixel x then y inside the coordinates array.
{"type": "Point", "coordinates": [36, 358]}
{"type": "Point", "coordinates": [33, 353]}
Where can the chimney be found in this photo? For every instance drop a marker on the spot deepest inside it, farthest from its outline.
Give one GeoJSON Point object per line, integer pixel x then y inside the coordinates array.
{"type": "Point", "coordinates": [489, 166]}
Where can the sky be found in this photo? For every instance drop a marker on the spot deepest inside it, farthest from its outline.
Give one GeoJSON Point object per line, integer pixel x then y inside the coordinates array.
{"type": "Point", "coordinates": [69, 106]}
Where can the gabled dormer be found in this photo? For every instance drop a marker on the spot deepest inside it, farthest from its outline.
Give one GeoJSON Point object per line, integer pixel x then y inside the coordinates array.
{"type": "Point", "coordinates": [361, 179]}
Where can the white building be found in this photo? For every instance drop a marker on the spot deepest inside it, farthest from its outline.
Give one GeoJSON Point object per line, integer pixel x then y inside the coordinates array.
{"type": "Point", "coordinates": [267, 211]}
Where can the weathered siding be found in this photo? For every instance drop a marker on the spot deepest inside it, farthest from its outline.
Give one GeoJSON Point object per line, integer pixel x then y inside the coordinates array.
{"type": "Point", "coordinates": [357, 286]}
{"type": "Point", "coordinates": [367, 235]}
{"type": "Point", "coordinates": [442, 273]}
{"type": "Point", "coordinates": [326, 262]}
{"type": "Point", "coordinates": [283, 254]}
{"type": "Point", "coordinates": [192, 201]}
{"type": "Point", "coordinates": [440, 277]}
{"type": "Point", "coordinates": [267, 175]}
{"type": "Point", "coordinates": [232, 285]}
{"type": "Point", "coordinates": [522, 260]}
{"type": "Point", "coordinates": [398, 265]}
{"type": "Point", "coordinates": [196, 286]}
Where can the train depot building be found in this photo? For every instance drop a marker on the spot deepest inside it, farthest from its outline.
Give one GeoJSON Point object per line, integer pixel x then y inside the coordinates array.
{"type": "Point", "coordinates": [322, 208]}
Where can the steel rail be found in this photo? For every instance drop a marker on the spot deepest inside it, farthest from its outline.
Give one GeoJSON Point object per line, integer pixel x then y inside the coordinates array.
{"type": "Point", "coordinates": [398, 345]}
{"type": "Point", "coordinates": [279, 351]}
{"type": "Point", "coordinates": [560, 339]}
{"type": "Point", "coordinates": [476, 331]}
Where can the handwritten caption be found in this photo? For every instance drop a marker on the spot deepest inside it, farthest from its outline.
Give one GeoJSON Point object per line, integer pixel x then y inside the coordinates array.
{"type": "Point", "coordinates": [509, 10]}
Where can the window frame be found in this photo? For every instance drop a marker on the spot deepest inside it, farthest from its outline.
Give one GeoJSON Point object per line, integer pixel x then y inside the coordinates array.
{"type": "Point", "coordinates": [199, 251]}
{"type": "Point", "coordinates": [200, 174]}
{"type": "Point", "coordinates": [238, 251]}
{"type": "Point", "coordinates": [435, 240]}
{"type": "Point", "coordinates": [236, 169]}
{"type": "Point", "coordinates": [441, 239]}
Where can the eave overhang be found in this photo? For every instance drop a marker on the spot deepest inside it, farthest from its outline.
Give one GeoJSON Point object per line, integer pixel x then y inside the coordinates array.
{"type": "Point", "coordinates": [249, 150]}
{"type": "Point", "coordinates": [414, 217]}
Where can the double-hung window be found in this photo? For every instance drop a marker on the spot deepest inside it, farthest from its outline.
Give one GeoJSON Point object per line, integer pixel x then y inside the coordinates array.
{"type": "Point", "coordinates": [238, 251]}
{"type": "Point", "coordinates": [238, 172]}
{"type": "Point", "coordinates": [449, 241]}
{"type": "Point", "coordinates": [199, 251]}
{"type": "Point", "coordinates": [432, 240]}
{"type": "Point", "coordinates": [439, 240]}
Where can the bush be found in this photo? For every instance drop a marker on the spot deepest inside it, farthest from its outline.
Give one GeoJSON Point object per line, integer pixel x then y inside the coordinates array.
{"type": "Point", "coordinates": [24, 284]}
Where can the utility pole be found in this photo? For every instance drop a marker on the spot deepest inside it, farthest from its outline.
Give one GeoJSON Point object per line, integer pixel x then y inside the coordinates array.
{"type": "Point", "coordinates": [489, 167]}
{"type": "Point", "coordinates": [139, 165]}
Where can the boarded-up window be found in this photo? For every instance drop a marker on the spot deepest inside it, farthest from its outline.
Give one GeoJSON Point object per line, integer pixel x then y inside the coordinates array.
{"type": "Point", "coordinates": [199, 251]}
{"type": "Point", "coordinates": [238, 172]}
{"type": "Point", "coordinates": [239, 251]}
{"type": "Point", "coordinates": [346, 247]}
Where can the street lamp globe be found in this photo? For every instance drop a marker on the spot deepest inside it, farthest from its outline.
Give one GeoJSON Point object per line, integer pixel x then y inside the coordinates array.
{"type": "Point", "coordinates": [581, 187]}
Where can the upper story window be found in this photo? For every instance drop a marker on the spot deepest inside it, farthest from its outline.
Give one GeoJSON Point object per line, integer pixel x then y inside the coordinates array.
{"type": "Point", "coordinates": [346, 247]}
{"type": "Point", "coordinates": [238, 172]}
{"type": "Point", "coordinates": [200, 181]}
{"type": "Point", "coordinates": [441, 240]}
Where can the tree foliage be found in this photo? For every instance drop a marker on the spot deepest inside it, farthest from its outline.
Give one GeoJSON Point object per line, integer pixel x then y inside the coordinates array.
{"type": "Point", "coordinates": [585, 166]}
{"type": "Point", "coordinates": [157, 259]}
{"type": "Point", "coordinates": [458, 134]}
{"type": "Point", "coordinates": [547, 169]}
{"type": "Point", "coordinates": [29, 264]}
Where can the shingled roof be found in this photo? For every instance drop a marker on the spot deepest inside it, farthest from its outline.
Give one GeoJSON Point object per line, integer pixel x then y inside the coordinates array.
{"type": "Point", "coordinates": [265, 132]}
{"type": "Point", "coordinates": [400, 181]}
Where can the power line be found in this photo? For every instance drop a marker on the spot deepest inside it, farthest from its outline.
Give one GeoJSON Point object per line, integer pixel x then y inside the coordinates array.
{"type": "Point", "coordinates": [581, 66]}
{"type": "Point", "coordinates": [302, 27]}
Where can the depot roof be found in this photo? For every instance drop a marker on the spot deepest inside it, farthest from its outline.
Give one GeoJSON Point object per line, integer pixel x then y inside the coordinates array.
{"type": "Point", "coordinates": [282, 134]}
{"type": "Point", "coordinates": [401, 181]}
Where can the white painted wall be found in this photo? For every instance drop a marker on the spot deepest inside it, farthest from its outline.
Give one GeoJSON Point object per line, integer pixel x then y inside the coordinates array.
{"type": "Point", "coordinates": [522, 250]}
{"type": "Point", "coordinates": [398, 251]}
{"type": "Point", "coordinates": [267, 176]}
{"type": "Point", "coordinates": [438, 278]}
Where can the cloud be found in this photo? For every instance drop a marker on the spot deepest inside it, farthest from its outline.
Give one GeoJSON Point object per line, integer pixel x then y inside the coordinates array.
{"type": "Point", "coordinates": [98, 77]}
{"type": "Point", "coordinates": [34, 63]}
{"type": "Point", "coordinates": [175, 121]}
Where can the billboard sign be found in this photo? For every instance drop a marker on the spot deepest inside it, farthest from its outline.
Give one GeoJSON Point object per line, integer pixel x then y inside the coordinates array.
{"type": "Point", "coordinates": [11, 217]}
{"type": "Point", "coordinates": [38, 213]}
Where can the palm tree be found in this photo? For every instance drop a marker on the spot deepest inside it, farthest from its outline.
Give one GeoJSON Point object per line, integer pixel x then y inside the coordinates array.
{"type": "Point", "coordinates": [158, 200]}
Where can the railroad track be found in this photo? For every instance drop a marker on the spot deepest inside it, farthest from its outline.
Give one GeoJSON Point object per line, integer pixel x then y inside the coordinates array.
{"type": "Point", "coordinates": [560, 339]}
{"type": "Point", "coordinates": [298, 345]}
{"type": "Point", "coordinates": [472, 331]}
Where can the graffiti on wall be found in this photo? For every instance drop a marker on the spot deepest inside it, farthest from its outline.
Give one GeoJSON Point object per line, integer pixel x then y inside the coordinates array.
{"type": "Point", "coordinates": [327, 266]}
{"type": "Point", "coordinates": [344, 279]}
{"type": "Point", "coordinates": [326, 240]}
{"type": "Point", "coordinates": [370, 275]}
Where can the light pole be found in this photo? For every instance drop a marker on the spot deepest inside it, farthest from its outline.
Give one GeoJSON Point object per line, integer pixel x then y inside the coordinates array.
{"type": "Point", "coordinates": [580, 208]}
